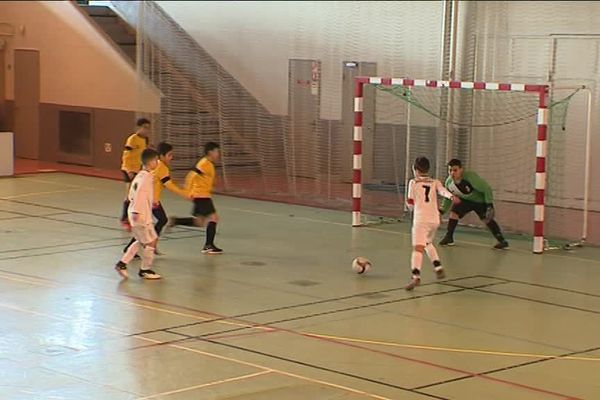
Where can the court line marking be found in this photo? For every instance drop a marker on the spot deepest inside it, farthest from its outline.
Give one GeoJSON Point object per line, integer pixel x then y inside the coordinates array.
{"type": "Point", "coordinates": [18, 196]}
{"type": "Point", "coordinates": [205, 353]}
{"type": "Point", "coordinates": [470, 375]}
{"type": "Point", "coordinates": [451, 349]}
{"type": "Point", "coordinates": [205, 385]}
{"type": "Point", "coordinates": [265, 329]}
{"type": "Point", "coordinates": [30, 179]}
{"type": "Point", "coordinates": [366, 228]}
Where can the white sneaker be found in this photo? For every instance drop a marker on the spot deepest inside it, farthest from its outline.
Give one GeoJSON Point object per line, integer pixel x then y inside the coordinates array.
{"type": "Point", "coordinates": [148, 274]}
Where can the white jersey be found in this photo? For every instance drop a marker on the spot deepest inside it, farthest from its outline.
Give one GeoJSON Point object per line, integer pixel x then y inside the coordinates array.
{"type": "Point", "coordinates": [423, 196]}
{"type": "Point", "coordinates": [141, 195]}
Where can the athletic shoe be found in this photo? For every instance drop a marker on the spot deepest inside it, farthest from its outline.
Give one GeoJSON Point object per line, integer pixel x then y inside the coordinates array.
{"type": "Point", "coordinates": [440, 273]}
{"type": "Point", "coordinates": [158, 253]}
{"type": "Point", "coordinates": [501, 245]}
{"type": "Point", "coordinates": [148, 274]}
{"type": "Point", "coordinates": [414, 283]}
{"type": "Point", "coordinates": [212, 249]}
{"type": "Point", "coordinates": [447, 241]}
{"type": "Point", "coordinates": [121, 269]}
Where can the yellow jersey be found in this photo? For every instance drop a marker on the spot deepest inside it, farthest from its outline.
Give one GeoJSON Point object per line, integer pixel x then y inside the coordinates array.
{"type": "Point", "coordinates": [132, 155]}
{"type": "Point", "coordinates": [200, 181]}
{"type": "Point", "coordinates": [162, 177]}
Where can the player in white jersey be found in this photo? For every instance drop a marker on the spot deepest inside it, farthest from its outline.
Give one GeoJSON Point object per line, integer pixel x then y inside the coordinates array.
{"type": "Point", "coordinates": [141, 197]}
{"type": "Point", "coordinates": [422, 199]}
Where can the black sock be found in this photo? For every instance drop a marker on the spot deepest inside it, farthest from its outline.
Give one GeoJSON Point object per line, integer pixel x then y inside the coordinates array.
{"type": "Point", "coordinates": [128, 245]}
{"type": "Point", "coordinates": [124, 211]}
{"type": "Point", "coordinates": [189, 221]}
{"type": "Point", "coordinates": [495, 229]}
{"type": "Point", "coordinates": [452, 223]}
{"type": "Point", "coordinates": [211, 231]}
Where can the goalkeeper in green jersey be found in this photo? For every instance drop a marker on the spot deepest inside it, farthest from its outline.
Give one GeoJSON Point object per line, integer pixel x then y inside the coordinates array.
{"type": "Point", "coordinates": [475, 195]}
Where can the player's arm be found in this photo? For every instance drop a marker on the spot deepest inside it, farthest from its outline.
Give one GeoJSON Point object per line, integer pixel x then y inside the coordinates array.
{"type": "Point", "coordinates": [410, 195]}
{"type": "Point", "coordinates": [169, 184]}
{"type": "Point", "coordinates": [446, 203]}
{"type": "Point", "coordinates": [445, 193]}
{"type": "Point", "coordinates": [482, 186]}
{"type": "Point", "coordinates": [139, 200]}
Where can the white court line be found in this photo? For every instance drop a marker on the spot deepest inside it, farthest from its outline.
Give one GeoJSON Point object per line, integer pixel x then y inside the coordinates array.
{"type": "Point", "coordinates": [364, 228]}
{"type": "Point", "coordinates": [215, 383]}
{"type": "Point", "coordinates": [211, 355]}
{"type": "Point", "coordinates": [43, 193]}
{"type": "Point", "coordinates": [55, 183]}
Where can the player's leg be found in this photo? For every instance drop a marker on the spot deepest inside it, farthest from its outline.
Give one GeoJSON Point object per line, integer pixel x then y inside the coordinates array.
{"type": "Point", "coordinates": [458, 212]}
{"type": "Point", "coordinates": [419, 239]}
{"type": "Point", "coordinates": [127, 178]}
{"type": "Point", "coordinates": [211, 232]}
{"type": "Point", "coordinates": [148, 238]}
{"type": "Point", "coordinates": [432, 253]}
{"type": "Point", "coordinates": [187, 221]}
{"type": "Point", "coordinates": [128, 255]}
{"type": "Point", "coordinates": [493, 226]}
{"type": "Point", "coordinates": [161, 220]}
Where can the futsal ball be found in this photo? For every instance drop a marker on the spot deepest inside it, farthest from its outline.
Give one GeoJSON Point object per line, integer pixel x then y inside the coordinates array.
{"type": "Point", "coordinates": [361, 265]}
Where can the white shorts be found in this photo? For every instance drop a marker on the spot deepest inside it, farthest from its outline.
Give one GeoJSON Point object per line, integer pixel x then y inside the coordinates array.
{"type": "Point", "coordinates": [144, 233]}
{"type": "Point", "coordinates": [423, 233]}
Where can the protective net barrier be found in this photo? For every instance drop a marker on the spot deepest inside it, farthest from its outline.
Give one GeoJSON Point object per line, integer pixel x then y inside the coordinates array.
{"type": "Point", "coordinates": [295, 144]}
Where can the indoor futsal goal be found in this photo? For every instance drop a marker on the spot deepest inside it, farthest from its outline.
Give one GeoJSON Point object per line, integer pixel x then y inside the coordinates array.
{"type": "Point", "coordinates": [499, 130]}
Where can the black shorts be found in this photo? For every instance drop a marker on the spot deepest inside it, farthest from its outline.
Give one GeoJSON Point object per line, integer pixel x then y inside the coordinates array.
{"type": "Point", "coordinates": [126, 176]}
{"type": "Point", "coordinates": [466, 206]}
{"type": "Point", "coordinates": [203, 207]}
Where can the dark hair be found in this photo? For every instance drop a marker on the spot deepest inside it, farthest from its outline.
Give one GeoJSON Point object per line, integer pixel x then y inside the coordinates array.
{"type": "Point", "coordinates": [163, 148]}
{"type": "Point", "coordinates": [142, 121]}
{"type": "Point", "coordinates": [422, 164]}
{"type": "Point", "coordinates": [210, 146]}
{"type": "Point", "coordinates": [455, 162]}
{"type": "Point", "coordinates": [148, 155]}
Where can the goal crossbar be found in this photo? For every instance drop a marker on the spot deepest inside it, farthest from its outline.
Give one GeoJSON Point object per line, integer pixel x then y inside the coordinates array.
{"type": "Point", "coordinates": [541, 144]}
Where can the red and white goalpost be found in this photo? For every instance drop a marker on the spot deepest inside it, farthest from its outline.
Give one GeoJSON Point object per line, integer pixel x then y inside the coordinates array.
{"type": "Point", "coordinates": [541, 91]}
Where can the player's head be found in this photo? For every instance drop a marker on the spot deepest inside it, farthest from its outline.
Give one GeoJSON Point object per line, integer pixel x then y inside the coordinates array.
{"type": "Point", "coordinates": [212, 151]}
{"type": "Point", "coordinates": [421, 166]}
{"type": "Point", "coordinates": [455, 169]}
{"type": "Point", "coordinates": [142, 126]}
{"type": "Point", "coordinates": [150, 159]}
{"type": "Point", "coordinates": [165, 152]}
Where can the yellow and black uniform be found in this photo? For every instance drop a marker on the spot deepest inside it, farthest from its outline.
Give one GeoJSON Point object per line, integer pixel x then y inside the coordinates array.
{"type": "Point", "coordinates": [131, 161]}
{"type": "Point", "coordinates": [162, 177]}
{"type": "Point", "coordinates": [200, 182]}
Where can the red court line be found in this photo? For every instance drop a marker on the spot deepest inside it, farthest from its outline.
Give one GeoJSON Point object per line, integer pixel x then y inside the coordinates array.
{"type": "Point", "coordinates": [415, 360]}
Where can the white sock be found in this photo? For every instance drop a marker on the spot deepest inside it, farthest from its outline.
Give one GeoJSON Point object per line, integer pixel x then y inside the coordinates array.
{"type": "Point", "coordinates": [147, 257]}
{"type": "Point", "coordinates": [432, 253]}
{"type": "Point", "coordinates": [131, 252]}
{"type": "Point", "coordinates": [416, 261]}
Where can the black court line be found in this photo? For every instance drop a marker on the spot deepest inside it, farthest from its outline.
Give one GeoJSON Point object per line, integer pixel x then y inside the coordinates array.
{"type": "Point", "coordinates": [309, 365]}
{"type": "Point", "coordinates": [545, 286]}
{"type": "Point", "coordinates": [84, 249]}
{"type": "Point", "coordinates": [291, 307]}
{"type": "Point", "coordinates": [27, 203]}
{"type": "Point", "coordinates": [514, 296]}
{"type": "Point", "coordinates": [514, 366]}
{"type": "Point", "coordinates": [253, 325]}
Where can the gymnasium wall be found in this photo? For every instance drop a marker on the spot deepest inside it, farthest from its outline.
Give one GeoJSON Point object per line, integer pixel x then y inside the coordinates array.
{"type": "Point", "coordinates": [255, 40]}
{"type": "Point", "coordinates": [533, 42]}
{"type": "Point", "coordinates": [79, 71]}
